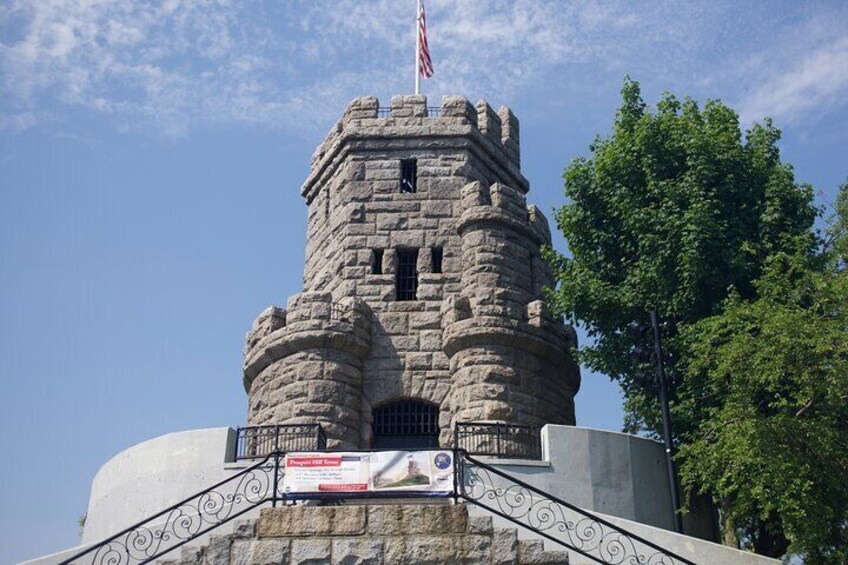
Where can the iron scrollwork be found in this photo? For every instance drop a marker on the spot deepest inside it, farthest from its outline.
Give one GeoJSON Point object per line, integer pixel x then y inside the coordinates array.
{"type": "Point", "coordinates": [188, 519]}
{"type": "Point", "coordinates": [556, 519]}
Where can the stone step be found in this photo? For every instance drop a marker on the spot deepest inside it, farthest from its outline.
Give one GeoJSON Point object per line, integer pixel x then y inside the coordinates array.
{"type": "Point", "coordinates": [533, 552]}
{"type": "Point", "coordinates": [367, 535]}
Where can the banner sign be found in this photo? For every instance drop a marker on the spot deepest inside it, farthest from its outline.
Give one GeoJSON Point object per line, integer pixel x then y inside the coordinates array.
{"type": "Point", "coordinates": [425, 473]}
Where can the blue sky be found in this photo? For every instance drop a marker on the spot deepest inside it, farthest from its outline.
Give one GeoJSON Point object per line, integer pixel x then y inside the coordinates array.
{"type": "Point", "coordinates": [151, 155]}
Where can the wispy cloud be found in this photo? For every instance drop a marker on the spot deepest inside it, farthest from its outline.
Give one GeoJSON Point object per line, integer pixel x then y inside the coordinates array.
{"type": "Point", "coordinates": [812, 85]}
{"type": "Point", "coordinates": [171, 66]}
{"type": "Point", "coordinates": [169, 63]}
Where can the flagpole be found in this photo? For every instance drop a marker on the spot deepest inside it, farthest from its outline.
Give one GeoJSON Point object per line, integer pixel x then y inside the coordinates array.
{"type": "Point", "coordinates": [417, 44]}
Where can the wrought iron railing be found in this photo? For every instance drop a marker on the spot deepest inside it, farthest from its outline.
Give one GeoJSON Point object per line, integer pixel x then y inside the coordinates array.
{"type": "Point", "coordinates": [254, 442]}
{"type": "Point", "coordinates": [474, 482]}
{"type": "Point", "coordinates": [188, 519]}
{"type": "Point", "coordinates": [495, 439]}
{"type": "Point", "coordinates": [432, 112]}
{"type": "Point", "coordinates": [554, 519]}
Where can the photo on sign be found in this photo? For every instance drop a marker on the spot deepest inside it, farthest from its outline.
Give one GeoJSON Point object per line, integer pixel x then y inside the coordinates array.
{"type": "Point", "coordinates": [400, 469]}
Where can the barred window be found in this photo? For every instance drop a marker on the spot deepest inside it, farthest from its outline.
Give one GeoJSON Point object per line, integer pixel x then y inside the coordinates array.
{"type": "Point", "coordinates": [408, 175]}
{"type": "Point", "coordinates": [406, 282]}
{"type": "Point", "coordinates": [406, 424]}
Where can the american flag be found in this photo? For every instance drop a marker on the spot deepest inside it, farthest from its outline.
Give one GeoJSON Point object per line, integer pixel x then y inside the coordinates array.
{"type": "Point", "coordinates": [425, 65]}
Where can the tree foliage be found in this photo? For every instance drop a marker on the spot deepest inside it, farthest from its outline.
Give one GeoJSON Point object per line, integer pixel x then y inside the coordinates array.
{"type": "Point", "coordinates": [765, 403]}
{"type": "Point", "coordinates": [835, 246]}
{"type": "Point", "coordinates": [671, 210]}
{"type": "Point", "coordinates": [677, 211]}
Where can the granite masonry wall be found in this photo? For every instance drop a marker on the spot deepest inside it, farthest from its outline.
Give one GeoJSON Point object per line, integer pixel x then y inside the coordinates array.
{"type": "Point", "coordinates": [369, 535]}
{"type": "Point", "coordinates": [476, 342]}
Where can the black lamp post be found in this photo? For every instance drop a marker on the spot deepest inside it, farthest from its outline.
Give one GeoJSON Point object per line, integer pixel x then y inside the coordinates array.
{"type": "Point", "coordinates": [662, 385]}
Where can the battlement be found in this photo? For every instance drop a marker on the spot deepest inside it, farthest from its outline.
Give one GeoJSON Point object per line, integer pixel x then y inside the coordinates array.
{"type": "Point", "coordinates": [495, 133]}
{"type": "Point", "coordinates": [500, 127]}
{"type": "Point", "coordinates": [502, 203]}
{"type": "Point", "coordinates": [535, 314]}
{"type": "Point", "coordinates": [310, 320]}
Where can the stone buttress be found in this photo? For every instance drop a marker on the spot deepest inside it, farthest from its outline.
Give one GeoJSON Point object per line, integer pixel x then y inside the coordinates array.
{"type": "Point", "coordinates": [472, 340]}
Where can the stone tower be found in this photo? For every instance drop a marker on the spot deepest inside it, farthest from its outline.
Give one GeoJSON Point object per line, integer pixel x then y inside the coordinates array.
{"type": "Point", "coordinates": [423, 281]}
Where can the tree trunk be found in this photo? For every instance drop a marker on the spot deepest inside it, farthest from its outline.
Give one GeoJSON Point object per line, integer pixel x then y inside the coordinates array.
{"type": "Point", "coordinates": [728, 531]}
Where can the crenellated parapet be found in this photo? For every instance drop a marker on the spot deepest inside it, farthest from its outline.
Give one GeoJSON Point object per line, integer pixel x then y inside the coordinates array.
{"type": "Point", "coordinates": [304, 364]}
{"type": "Point", "coordinates": [457, 123]}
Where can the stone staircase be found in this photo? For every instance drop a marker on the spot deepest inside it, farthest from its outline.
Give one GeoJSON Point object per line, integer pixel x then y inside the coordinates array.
{"type": "Point", "coordinates": [367, 535]}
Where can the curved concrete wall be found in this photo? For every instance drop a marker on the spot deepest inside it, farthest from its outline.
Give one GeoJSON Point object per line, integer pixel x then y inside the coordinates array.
{"type": "Point", "coordinates": [612, 473]}
{"type": "Point", "coordinates": [609, 472]}
{"type": "Point", "coordinates": [153, 475]}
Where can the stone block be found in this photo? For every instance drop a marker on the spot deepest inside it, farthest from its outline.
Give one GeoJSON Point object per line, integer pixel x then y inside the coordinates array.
{"type": "Point", "coordinates": [473, 549]}
{"type": "Point", "coordinates": [421, 550]}
{"type": "Point", "coordinates": [556, 557]}
{"type": "Point", "coordinates": [409, 106]}
{"type": "Point", "coordinates": [218, 550]}
{"type": "Point", "coordinates": [429, 224]}
{"type": "Point", "coordinates": [325, 391]}
{"type": "Point", "coordinates": [442, 188]}
{"type": "Point", "coordinates": [260, 552]}
{"type": "Point", "coordinates": [430, 340]}
{"type": "Point", "coordinates": [358, 552]}
{"type": "Point", "coordinates": [417, 519]}
{"type": "Point", "coordinates": [532, 552]}
{"type": "Point", "coordinates": [458, 107]}
{"type": "Point", "coordinates": [417, 361]}
{"type": "Point", "coordinates": [313, 551]}
{"type": "Point", "coordinates": [412, 239]}
{"type": "Point", "coordinates": [437, 209]}
{"type": "Point", "coordinates": [244, 528]}
{"type": "Point", "coordinates": [395, 323]}
{"type": "Point", "coordinates": [505, 546]}
{"type": "Point", "coordinates": [293, 521]}
{"type": "Point", "coordinates": [425, 320]}
{"type": "Point", "coordinates": [480, 524]}
{"type": "Point", "coordinates": [488, 122]}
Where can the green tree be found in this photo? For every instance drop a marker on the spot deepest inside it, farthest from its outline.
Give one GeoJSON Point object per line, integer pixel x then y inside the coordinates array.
{"type": "Point", "coordinates": [765, 406]}
{"type": "Point", "coordinates": [677, 211]}
{"type": "Point", "coordinates": [671, 210]}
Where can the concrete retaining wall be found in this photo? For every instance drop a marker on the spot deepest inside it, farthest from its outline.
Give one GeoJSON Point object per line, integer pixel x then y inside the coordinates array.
{"type": "Point", "coordinates": [613, 473]}
{"type": "Point", "coordinates": [153, 475]}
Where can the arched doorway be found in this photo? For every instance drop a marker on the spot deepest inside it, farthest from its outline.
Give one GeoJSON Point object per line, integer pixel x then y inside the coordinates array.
{"type": "Point", "coordinates": [406, 424]}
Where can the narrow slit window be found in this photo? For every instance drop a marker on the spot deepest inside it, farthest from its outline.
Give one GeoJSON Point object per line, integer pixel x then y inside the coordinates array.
{"type": "Point", "coordinates": [406, 283]}
{"type": "Point", "coordinates": [327, 204]}
{"type": "Point", "coordinates": [376, 261]}
{"type": "Point", "coordinates": [408, 175]}
{"type": "Point", "coordinates": [436, 254]}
